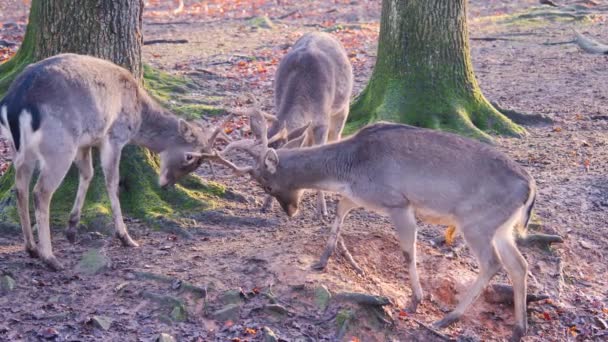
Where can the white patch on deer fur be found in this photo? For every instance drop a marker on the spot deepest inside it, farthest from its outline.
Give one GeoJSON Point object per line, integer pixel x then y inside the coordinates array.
{"type": "Point", "coordinates": [6, 132]}
{"type": "Point", "coordinates": [29, 141]}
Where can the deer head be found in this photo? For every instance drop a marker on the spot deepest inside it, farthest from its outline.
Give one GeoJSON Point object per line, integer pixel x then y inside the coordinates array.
{"type": "Point", "coordinates": [266, 169]}
{"type": "Point", "coordinates": [179, 160]}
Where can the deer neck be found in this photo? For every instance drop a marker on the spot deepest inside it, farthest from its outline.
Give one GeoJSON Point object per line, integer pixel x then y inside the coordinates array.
{"type": "Point", "coordinates": [159, 128]}
{"type": "Point", "coordinates": [316, 167]}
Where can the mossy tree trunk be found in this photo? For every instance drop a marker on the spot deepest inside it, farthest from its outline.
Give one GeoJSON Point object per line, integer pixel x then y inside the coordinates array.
{"type": "Point", "coordinates": [424, 75]}
{"type": "Point", "coordinates": [106, 29]}
{"type": "Point", "coordinates": [112, 30]}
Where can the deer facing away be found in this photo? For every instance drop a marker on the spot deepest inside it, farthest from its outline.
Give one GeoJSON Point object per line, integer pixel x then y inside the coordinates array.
{"type": "Point", "coordinates": [61, 107]}
{"type": "Point", "coordinates": [313, 84]}
{"type": "Point", "coordinates": [408, 172]}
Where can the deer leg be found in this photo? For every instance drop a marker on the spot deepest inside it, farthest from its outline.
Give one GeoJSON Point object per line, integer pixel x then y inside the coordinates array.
{"type": "Point", "coordinates": [110, 159]}
{"type": "Point", "coordinates": [344, 207]}
{"type": "Point", "coordinates": [346, 253]}
{"type": "Point", "coordinates": [52, 173]}
{"type": "Point", "coordinates": [483, 248]}
{"type": "Point", "coordinates": [23, 176]}
{"type": "Point", "coordinates": [268, 204]}
{"type": "Point", "coordinates": [517, 268]}
{"type": "Point", "coordinates": [320, 138]}
{"type": "Point", "coordinates": [405, 224]}
{"type": "Point", "coordinates": [337, 125]}
{"type": "Point", "coordinates": [84, 163]}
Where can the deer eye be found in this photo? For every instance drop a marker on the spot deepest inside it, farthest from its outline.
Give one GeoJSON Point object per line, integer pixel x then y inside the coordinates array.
{"type": "Point", "coordinates": [189, 157]}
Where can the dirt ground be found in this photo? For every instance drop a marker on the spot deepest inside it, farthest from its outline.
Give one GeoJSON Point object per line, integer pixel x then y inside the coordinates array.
{"type": "Point", "coordinates": [243, 273]}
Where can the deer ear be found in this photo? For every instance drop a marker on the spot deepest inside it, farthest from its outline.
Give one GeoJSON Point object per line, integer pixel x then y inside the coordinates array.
{"type": "Point", "coordinates": [271, 161]}
{"type": "Point", "coordinates": [297, 142]}
{"type": "Point", "coordinates": [186, 131]}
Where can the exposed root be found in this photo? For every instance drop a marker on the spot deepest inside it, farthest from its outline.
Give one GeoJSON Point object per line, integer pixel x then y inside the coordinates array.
{"type": "Point", "coordinates": [503, 294]}
{"type": "Point", "coordinates": [590, 45]}
{"type": "Point", "coordinates": [524, 119]}
{"type": "Point", "coordinates": [539, 239]}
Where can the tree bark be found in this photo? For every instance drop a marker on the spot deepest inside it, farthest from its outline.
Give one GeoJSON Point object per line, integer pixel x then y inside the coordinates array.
{"type": "Point", "coordinates": [112, 30]}
{"type": "Point", "coordinates": [424, 75]}
{"type": "Point", "coordinates": [106, 29]}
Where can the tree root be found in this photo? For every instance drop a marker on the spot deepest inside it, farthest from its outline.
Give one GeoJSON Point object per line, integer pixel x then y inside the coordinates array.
{"type": "Point", "coordinates": [503, 294]}
{"type": "Point", "coordinates": [525, 119]}
{"type": "Point", "coordinates": [590, 45]}
{"type": "Point", "coordinates": [431, 329]}
{"type": "Point", "coordinates": [539, 239]}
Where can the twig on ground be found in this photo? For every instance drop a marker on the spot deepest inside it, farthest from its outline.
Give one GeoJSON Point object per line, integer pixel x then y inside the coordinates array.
{"type": "Point", "coordinates": [431, 329]}
{"type": "Point", "coordinates": [166, 41]}
{"type": "Point", "coordinates": [560, 43]}
{"type": "Point", "coordinates": [7, 43]}
{"type": "Point", "coordinates": [492, 39]}
{"type": "Point", "coordinates": [548, 2]}
{"type": "Point", "coordinates": [170, 23]}
{"type": "Point", "coordinates": [286, 15]}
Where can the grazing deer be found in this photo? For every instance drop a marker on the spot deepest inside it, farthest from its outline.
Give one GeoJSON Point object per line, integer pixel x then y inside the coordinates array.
{"type": "Point", "coordinates": [313, 84]}
{"type": "Point", "coordinates": [61, 107]}
{"type": "Point", "coordinates": [408, 172]}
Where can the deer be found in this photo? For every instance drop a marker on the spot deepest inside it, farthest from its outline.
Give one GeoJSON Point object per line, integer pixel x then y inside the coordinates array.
{"type": "Point", "coordinates": [313, 85]}
{"type": "Point", "coordinates": [58, 109]}
{"type": "Point", "coordinates": [407, 172]}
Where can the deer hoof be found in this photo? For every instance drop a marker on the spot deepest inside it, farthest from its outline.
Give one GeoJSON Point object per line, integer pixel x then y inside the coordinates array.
{"type": "Point", "coordinates": [70, 234]}
{"type": "Point", "coordinates": [32, 252]}
{"type": "Point", "coordinates": [446, 321]}
{"type": "Point", "coordinates": [52, 263]}
{"type": "Point", "coordinates": [319, 266]}
{"type": "Point", "coordinates": [413, 306]}
{"type": "Point", "coordinates": [518, 334]}
{"type": "Point", "coordinates": [127, 241]}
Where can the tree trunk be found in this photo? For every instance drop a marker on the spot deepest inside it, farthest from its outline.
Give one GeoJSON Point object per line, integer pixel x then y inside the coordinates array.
{"type": "Point", "coordinates": [112, 30]}
{"type": "Point", "coordinates": [424, 75]}
{"type": "Point", "coordinates": [106, 29]}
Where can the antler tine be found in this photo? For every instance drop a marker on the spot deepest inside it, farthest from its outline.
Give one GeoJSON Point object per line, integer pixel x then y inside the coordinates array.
{"type": "Point", "coordinates": [219, 131]}
{"type": "Point", "coordinates": [245, 145]}
{"type": "Point", "coordinates": [281, 134]}
{"type": "Point", "coordinates": [258, 126]}
{"type": "Point", "coordinates": [219, 158]}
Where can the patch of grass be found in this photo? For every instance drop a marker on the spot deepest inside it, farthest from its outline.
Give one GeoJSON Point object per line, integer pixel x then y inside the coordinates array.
{"type": "Point", "coordinates": [179, 94]}
{"type": "Point", "coordinates": [197, 111]}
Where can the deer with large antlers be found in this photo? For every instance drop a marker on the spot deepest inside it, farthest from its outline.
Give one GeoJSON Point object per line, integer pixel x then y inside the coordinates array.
{"type": "Point", "coordinates": [61, 107]}
{"type": "Point", "coordinates": [408, 173]}
{"type": "Point", "coordinates": [313, 84]}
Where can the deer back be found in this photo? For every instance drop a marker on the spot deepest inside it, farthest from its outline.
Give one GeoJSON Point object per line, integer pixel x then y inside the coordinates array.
{"type": "Point", "coordinates": [314, 80]}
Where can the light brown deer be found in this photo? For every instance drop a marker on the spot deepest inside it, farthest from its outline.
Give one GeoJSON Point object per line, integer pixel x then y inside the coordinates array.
{"type": "Point", "coordinates": [61, 107]}
{"type": "Point", "coordinates": [313, 85]}
{"type": "Point", "coordinates": [407, 172]}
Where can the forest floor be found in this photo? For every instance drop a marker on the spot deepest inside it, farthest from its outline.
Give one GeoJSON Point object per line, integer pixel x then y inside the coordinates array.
{"type": "Point", "coordinates": [244, 270]}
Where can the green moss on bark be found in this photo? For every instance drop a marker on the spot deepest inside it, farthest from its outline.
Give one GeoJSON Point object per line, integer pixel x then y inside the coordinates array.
{"type": "Point", "coordinates": [25, 55]}
{"type": "Point", "coordinates": [406, 101]}
{"type": "Point", "coordinates": [424, 75]}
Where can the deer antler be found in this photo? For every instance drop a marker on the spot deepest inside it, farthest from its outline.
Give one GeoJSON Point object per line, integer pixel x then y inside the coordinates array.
{"type": "Point", "coordinates": [219, 131]}
{"type": "Point", "coordinates": [219, 158]}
